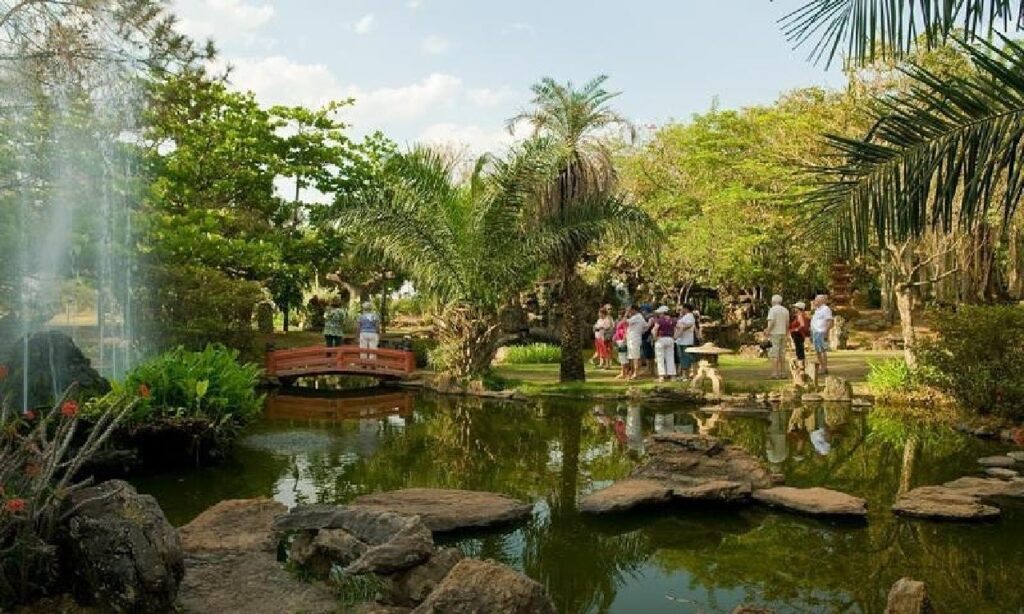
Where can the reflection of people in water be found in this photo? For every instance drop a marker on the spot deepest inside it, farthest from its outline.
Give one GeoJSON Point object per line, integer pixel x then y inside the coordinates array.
{"type": "Point", "coordinates": [620, 430]}
{"type": "Point", "coordinates": [664, 423]}
{"type": "Point", "coordinates": [777, 449]}
{"type": "Point", "coordinates": [812, 422]}
{"type": "Point", "coordinates": [635, 428]}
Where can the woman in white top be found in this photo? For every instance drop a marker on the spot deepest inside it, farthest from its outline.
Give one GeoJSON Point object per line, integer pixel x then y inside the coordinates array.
{"type": "Point", "coordinates": [603, 329]}
{"type": "Point", "coordinates": [636, 326]}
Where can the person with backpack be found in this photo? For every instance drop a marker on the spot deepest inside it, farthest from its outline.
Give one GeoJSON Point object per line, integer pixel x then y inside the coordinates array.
{"type": "Point", "coordinates": [799, 331]}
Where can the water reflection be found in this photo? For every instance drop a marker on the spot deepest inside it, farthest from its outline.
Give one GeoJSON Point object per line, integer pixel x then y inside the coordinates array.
{"type": "Point", "coordinates": [332, 449]}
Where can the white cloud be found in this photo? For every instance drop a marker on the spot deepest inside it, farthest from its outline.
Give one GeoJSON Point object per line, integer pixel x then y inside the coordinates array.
{"type": "Point", "coordinates": [227, 21]}
{"type": "Point", "coordinates": [487, 97]}
{"type": "Point", "coordinates": [278, 80]}
{"type": "Point", "coordinates": [364, 25]}
{"type": "Point", "coordinates": [435, 45]}
{"type": "Point", "coordinates": [471, 137]}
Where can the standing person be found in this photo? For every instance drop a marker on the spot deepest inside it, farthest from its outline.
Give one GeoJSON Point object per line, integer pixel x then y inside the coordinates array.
{"type": "Point", "coordinates": [799, 331]}
{"type": "Point", "coordinates": [776, 331]}
{"type": "Point", "coordinates": [636, 326]}
{"type": "Point", "coordinates": [619, 341]}
{"type": "Point", "coordinates": [603, 331]}
{"type": "Point", "coordinates": [821, 326]}
{"type": "Point", "coordinates": [334, 324]}
{"type": "Point", "coordinates": [369, 329]}
{"type": "Point", "coordinates": [647, 340]}
{"type": "Point", "coordinates": [686, 337]}
{"type": "Point", "coordinates": [663, 331]}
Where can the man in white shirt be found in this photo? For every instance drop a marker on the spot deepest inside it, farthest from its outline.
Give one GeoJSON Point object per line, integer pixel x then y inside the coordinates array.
{"type": "Point", "coordinates": [686, 326]}
{"type": "Point", "coordinates": [778, 326]}
{"type": "Point", "coordinates": [821, 325]}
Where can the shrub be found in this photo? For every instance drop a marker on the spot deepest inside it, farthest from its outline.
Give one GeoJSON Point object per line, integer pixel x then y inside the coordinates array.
{"type": "Point", "coordinates": [41, 454]}
{"type": "Point", "coordinates": [210, 387]}
{"type": "Point", "coordinates": [890, 376]}
{"type": "Point", "coordinates": [977, 357]}
{"type": "Point", "coordinates": [533, 354]}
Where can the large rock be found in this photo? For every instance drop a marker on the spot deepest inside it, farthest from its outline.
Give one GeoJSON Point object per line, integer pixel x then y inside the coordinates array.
{"type": "Point", "coordinates": [625, 495]}
{"type": "Point", "coordinates": [943, 503]}
{"type": "Point", "coordinates": [411, 587]}
{"type": "Point", "coordinates": [473, 587]}
{"type": "Point", "coordinates": [232, 565]}
{"type": "Point", "coordinates": [448, 510]}
{"type": "Point", "coordinates": [54, 364]}
{"type": "Point", "coordinates": [690, 458]}
{"type": "Point", "coordinates": [233, 524]}
{"type": "Point", "coordinates": [908, 597]}
{"type": "Point", "coordinates": [837, 389]}
{"type": "Point", "coordinates": [997, 461]}
{"type": "Point", "coordinates": [395, 541]}
{"type": "Point", "coordinates": [124, 554]}
{"type": "Point", "coordinates": [818, 501]}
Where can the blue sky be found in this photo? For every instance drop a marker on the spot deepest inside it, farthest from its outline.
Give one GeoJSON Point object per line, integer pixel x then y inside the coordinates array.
{"type": "Point", "coordinates": [452, 71]}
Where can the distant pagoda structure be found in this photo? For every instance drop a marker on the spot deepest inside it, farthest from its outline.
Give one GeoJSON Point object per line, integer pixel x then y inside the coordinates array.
{"type": "Point", "coordinates": [841, 285]}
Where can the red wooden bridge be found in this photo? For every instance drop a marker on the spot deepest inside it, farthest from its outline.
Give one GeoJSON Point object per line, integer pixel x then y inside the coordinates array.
{"type": "Point", "coordinates": [286, 365]}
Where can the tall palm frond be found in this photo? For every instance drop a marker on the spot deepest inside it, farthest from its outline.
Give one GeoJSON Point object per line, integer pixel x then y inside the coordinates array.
{"type": "Point", "coordinates": [889, 29]}
{"type": "Point", "coordinates": [943, 152]}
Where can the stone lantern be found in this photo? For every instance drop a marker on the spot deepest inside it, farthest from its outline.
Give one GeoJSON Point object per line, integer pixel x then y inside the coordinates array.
{"type": "Point", "coordinates": [707, 366]}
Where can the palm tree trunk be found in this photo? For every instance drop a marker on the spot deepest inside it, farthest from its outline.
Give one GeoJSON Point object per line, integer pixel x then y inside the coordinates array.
{"type": "Point", "coordinates": [571, 368]}
{"type": "Point", "coordinates": [905, 305]}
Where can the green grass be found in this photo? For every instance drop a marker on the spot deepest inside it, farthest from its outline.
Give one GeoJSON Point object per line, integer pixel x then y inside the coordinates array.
{"type": "Point", "coordinates": [533, 354]}
{"type": "Point", "coordinates": [742, 375]}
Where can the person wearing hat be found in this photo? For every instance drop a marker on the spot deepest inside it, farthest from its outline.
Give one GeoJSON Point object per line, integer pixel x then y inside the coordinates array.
{"type": "Point", "coordinates": [369, 329]}
{"type": "Point", "coordinates": [799, 331]}
{"type": "Point", "coordinates": [778, 326]}
{"type": "Point", "coordinates": [663, 331]}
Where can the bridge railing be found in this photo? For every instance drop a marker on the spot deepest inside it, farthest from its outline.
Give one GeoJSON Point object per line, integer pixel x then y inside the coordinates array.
{"type": "Point", "coordinates": [346, 360]}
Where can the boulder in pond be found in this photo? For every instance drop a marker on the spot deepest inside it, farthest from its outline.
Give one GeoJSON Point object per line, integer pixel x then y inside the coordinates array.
{"type": "Point", "coordinates": [997, 461]}
{"type": "Point", "coordinates": [474, 586]}
{"type": "Point", "coordinates": [231, 563]}
{"type": "Point", "coordinates": [940, 502]}
{"type": "Point", "coordinates": [625, 495]}
{"type": "Point", "coordinates": [125, 555]}
{"type": "Point", "coordinates": [411, 587]}
{"type": "Point", "coordinates": [837, 389]}
{"type": "Point", "coordinates": [690, 458]}
{"type": "Point", "coordinates": [816, 501]}
{"type": "Point", "coordinates": [445, 510]}
{"type": "Point", "coordinates": [394, 541]}
{"type": "Point", "coordinates": [908, 597]}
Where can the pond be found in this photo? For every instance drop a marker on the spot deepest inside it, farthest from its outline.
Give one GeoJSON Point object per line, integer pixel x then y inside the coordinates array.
{"type": "Point", "coordinates": [692, 559]}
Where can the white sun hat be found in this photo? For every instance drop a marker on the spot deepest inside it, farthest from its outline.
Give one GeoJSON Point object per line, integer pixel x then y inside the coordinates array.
{"type": "Point", "coordinates": [662, 309]}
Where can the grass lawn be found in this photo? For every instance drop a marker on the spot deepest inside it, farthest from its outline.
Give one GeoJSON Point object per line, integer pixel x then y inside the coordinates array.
{"type": "Point", "coordinates": [740, 374]}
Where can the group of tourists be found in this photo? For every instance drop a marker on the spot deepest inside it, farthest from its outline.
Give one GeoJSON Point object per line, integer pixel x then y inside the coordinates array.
{"type": "Point", "coordinates": [796, 326]}
{"type": "Point", "coordinates": [642, 338]}
{"type": "Point", "coordinates": [655, 340]}
{"type": "Point", "coordinates": [336, 322]}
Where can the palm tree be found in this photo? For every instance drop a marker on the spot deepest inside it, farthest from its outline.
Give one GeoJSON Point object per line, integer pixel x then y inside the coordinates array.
{"type": "Point", "coordinates": [572, 123]}
{"type": "Point", "coordinates": [942, 153]}
{"type": "Point", "coordinates": [457, 242]}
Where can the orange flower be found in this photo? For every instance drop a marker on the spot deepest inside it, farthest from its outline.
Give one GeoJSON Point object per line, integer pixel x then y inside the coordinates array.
{"type": "Point", "coordinates": [14, 506]}
{"type": "Point", "coordinates": [4, 372]}
{"type": "Point", "coordinates": [69, 409]}
{"type": "Point", "coordinates": [144, 391]}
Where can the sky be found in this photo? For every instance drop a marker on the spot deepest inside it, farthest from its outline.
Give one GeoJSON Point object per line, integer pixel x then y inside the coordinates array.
{"type": "Point", "coordinates": [453, 71]}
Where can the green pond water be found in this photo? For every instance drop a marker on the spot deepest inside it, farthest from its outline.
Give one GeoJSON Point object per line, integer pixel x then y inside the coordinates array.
{"type": "Point", "coordinates": [689, 559]}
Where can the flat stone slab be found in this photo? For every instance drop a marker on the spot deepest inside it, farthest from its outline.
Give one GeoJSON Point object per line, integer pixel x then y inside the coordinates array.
{"type": "Point", "coordinates": [473, 587]}
{"type": "Point", "coordinates": [942, 502]}
{"type": "Point", "coordinates": [625, 495]}
{"type": "Point", "coordinates": [1000, 472]}
{"type": "Point", "coordinates": [997, 461]}
{"type": "Point", "coordinates": [724, 491]}
{"type": "Point", "coordinates": [231, 564]}
{"type": "Point", "coordinates": [233, 524]}
{"type": "Point", "coordinates": [1017, 455]}
{"type": "Point", "coordinates": [988, 487]}
{"type": "Point", "coordinates": [817, 501]}
{"type": "Point", "coordinates": [443, 510]}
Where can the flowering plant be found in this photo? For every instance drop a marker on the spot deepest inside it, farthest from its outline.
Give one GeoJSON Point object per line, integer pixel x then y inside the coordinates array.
{"type": "Point", "coordinates": [42, 454]}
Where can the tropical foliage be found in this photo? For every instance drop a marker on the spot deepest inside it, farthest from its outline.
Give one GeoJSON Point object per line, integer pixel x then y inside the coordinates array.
{"type": "Point", "coordinates": [582, 195]}
{"type": "Point", "coordinates": [533, 354]}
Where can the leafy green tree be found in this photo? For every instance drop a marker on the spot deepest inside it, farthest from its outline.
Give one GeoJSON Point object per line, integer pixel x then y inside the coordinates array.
{"type": "Point", "coordinates": [581, 196]}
